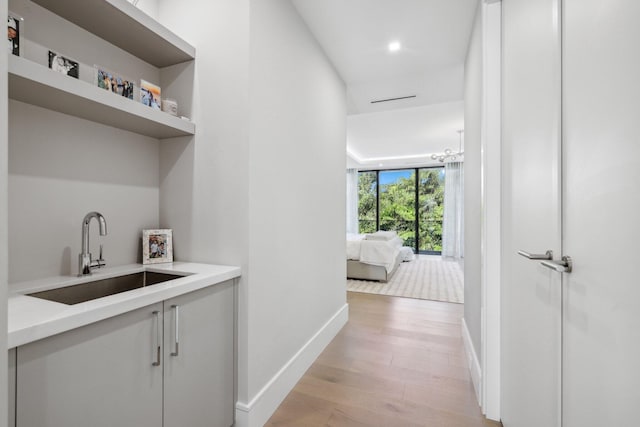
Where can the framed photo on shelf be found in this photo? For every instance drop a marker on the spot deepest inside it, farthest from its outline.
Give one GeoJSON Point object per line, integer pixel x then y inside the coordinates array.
{"type": "Point", "coordinates": [150, 95]}
{"type": "Point", "coordinates": [114, 83]}
{"type": "Point", "coordinates": [15, 28]}
{"type": "Point", "coordinates": [157, 246]}
{"type": "Point", "coordinates": [63, 65]}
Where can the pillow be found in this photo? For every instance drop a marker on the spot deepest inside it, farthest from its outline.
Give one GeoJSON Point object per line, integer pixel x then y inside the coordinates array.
{"type": "Point", "coordinates": [381, 235]}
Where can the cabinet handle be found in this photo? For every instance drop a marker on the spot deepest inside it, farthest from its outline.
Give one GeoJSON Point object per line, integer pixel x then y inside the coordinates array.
{"type": "Point", "coordinates": [176, 329]}
{"type": "Point", "coordinates": [157, 344]}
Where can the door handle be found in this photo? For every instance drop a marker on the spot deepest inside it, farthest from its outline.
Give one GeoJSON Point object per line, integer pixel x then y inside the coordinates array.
{"type": "Point", "coordinates": [563, 266]}
{"type": "Point", "coordinates": [546, 255]}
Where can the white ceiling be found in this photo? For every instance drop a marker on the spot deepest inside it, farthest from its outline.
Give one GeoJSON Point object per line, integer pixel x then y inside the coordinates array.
{"type": "Point", "coordinates": [411, 135]}
{"type": "Point", "coordinates": [434, 35]}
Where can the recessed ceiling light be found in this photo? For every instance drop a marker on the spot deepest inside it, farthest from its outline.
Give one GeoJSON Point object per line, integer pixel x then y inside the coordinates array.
{"type": "Point", "coordinates": [394, 46]}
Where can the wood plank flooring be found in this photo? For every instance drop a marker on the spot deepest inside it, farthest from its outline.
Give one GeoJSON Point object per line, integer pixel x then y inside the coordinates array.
{"type": "Point", "coordinates": [397, 362]}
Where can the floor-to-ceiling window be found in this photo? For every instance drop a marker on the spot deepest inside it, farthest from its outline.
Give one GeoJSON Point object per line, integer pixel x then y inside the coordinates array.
{"type": "Point", "coordinates": [397, 203]}
{"type": "Point", "coordinates": [408, 201]}
{"type": "Point", "coordinates": [430, 209]}
{"type": "Point", "coordinates": [368, 201]}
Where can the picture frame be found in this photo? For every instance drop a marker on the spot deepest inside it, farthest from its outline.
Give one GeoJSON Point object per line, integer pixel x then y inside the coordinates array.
{"type": "Point", "coordinates": [150, 95]}
{"type": "Point", "coordinates": [15, 29]}
{"type": "Point", "coordinates": [113, 82]}
{"type": "Point", "coordinates": [64, 65]}
{"type": "Point", "coordinates": [157, 246]}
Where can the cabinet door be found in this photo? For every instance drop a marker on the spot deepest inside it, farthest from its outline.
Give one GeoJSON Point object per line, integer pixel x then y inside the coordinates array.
{"type": "Point", "coordinates": [99, 375]}
{"type": "Point", "coordinates": [199, 378]}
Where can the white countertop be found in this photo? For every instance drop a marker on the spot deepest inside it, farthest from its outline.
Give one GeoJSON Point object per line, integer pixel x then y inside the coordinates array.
{"type": "Point", "coordinates": [32, 319]}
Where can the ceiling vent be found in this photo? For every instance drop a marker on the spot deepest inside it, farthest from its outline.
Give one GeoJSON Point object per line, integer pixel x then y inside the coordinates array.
{"type": "Point", "coordinates": [393, 99]}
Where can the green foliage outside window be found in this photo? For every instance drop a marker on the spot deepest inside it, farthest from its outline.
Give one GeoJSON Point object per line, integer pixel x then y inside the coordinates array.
{"type": "Point", "coordinates": [398, 207]}
{"type": "Point", "coordinates": [430, 208]}
{"type": "Point", "coordinates": [367, 202]}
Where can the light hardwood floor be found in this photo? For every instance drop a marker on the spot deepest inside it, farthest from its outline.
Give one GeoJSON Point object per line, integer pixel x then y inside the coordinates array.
{"type": "Point", "coordinates": [397, 362]}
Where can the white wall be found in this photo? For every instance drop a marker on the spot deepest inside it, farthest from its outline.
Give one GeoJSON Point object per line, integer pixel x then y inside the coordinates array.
{"type": "Point", "coordinates": [204, 180]}
{"type": "Point", "coordinates": [150, 7]}
{"type": "Point", "coordinates": [472, 182]}
{"type": "Point", "coordinates": [3, 230]}
{"type": "Point", "coordinates": [236, 193]}
{"type": "Point", "coordinates": [298, 112]}
{"type": "Point", "coordinates": [62, 167]}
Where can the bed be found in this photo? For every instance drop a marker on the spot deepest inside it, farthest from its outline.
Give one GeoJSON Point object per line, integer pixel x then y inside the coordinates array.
{"type": "Point", "coordinates": [374, 256]}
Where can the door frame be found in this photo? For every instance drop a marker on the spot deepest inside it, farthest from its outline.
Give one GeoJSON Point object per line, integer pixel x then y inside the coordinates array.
{"type": "Point", "coordinates": [4, 244]}
{"type": "Point", "coordinates": [491, 196]}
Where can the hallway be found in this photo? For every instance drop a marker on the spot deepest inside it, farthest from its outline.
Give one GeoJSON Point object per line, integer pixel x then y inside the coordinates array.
{"type": "Point", "coordinates": [397, 362]}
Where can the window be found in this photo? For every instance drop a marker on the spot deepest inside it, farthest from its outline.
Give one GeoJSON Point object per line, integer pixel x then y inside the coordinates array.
{"type": "Point", "coordinates": [430, 209]}
{"type": "Point", "coordinates": [367, 202]}
{"type": "Point", "coordinates": [398, 204]}
{"type": "Point", "coordinates": [408, 201]}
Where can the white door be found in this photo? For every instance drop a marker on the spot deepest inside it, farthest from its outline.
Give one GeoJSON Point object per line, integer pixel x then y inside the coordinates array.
{"type": "Point", "coordinates": [99, 375]}
{"type": "Point", "coordinates": [598, 373]}
{"type": "Point", "coordinates": [601, 370]}
{"type": "Point", "coordinates": [198, 368]}
{"type": "Point", "coordinates": [531, 293]}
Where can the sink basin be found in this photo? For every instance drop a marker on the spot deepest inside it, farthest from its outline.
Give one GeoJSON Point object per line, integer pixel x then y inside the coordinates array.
{"type": "Point", "coordinates": [101, 288]}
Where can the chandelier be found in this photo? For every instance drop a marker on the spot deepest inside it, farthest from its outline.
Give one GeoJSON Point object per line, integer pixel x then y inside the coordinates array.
{"type": "Point", "coordinates": [449, 154]}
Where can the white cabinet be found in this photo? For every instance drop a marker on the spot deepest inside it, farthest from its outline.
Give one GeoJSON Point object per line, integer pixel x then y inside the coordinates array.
{"type": "Point", "coordinates": [100, 375]}
{"type": "Point", "coordinates": [12, 387]}
{"type": "Point", "coordinates": [107, 374]}
{"type": "Point", "coordinates": [198, 382]}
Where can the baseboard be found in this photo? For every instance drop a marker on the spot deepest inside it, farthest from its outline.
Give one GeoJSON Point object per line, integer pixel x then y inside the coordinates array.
{"type": "Point", "coordinates": [263, 405]}
{"type": "Point", "coordinates": [472, 361]}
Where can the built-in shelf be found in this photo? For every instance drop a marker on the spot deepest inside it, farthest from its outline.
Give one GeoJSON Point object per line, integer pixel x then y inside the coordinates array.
{"type": "Point", "coordinates": [34, 84]}
{"type": "Point", "coordinates": [126, 26]}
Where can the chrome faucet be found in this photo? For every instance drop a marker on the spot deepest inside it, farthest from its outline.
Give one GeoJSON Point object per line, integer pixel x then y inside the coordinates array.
{"type": "Point", "coordinates": [86, 263]}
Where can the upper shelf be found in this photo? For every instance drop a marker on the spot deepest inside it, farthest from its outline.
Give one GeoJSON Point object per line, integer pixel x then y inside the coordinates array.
{"type": "Point", "coordinates": [126, 26]}
{"type": "Point", "coordinates": [34, 84]}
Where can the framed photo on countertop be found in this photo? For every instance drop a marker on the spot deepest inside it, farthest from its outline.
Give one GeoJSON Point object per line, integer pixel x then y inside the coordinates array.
{"type": "Point", "coordinates": [157, 246]}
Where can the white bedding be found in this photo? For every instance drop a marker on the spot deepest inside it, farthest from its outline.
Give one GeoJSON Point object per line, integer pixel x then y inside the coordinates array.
{"type": "Point", "coordinates": [375, 252]}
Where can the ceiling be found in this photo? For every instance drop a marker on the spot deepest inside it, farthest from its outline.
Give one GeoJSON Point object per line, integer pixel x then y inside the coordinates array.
{"type": "Point", "coordinates": [404, 137]}
{"type": "Point", "coordinates": [434, 35]}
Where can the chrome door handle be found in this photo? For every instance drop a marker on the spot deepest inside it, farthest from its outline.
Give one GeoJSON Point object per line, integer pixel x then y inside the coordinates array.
{"type": "Point", "coordinates": [176, 326]}
{"type": "Point", "coordinates": [158, 339]}
{"type": "Point", "coordinates": [546, 255]}
{"type": "Point", "coordinates": [563, 266]}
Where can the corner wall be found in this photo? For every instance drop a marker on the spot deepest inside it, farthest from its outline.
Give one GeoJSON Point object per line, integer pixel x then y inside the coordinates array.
{"type": "Point", "coordinates": [204, 179]}
{"type": "Point", "coordinates": [267, 102]}
{"type": "Point", "coordinates": [297, 192]}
